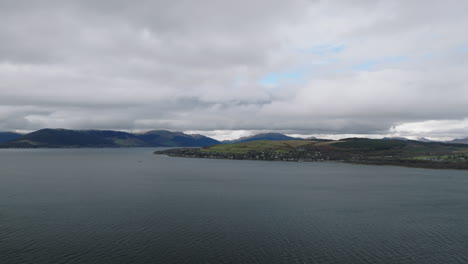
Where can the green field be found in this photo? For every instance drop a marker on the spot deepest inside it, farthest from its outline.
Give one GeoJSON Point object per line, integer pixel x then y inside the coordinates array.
{"type": "Point", "coordinates": [354, 150]}
{"type": "Point", "coordinates": [258, 146]}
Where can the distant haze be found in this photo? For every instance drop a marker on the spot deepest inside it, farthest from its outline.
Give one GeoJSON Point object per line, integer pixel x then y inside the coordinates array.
{"type": "Point", "coordinates": [228, 69]}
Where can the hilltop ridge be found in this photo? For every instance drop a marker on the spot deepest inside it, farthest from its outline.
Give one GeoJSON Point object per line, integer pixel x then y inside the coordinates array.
{"type": "Point", "coordinates": [65, 138]}
{"type": "Point", "coordinates": [262, 136]}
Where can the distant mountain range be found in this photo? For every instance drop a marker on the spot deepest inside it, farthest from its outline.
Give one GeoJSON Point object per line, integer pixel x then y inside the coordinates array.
{"type": "Point", "coordinates": [7, 136]}
{"type": "Point", "coordinates": [423, 139]}
{"type": "Point", "coordinates": [396, 138]}
{"type": "Point", "coordinates": [65, 138]}
{"type": "Point", "coordinates": [459, 141]}
{"type": "Point", "coordinates": [166, 138]}
{"type": "Point", "coordinates": [262, 136]}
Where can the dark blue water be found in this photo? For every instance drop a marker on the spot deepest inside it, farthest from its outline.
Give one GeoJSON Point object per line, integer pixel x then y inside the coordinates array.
{"type": "Point", "coordinates": [130, 206]}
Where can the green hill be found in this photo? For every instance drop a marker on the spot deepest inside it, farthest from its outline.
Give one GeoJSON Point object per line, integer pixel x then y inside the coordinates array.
{"type": "Point", "coordinates": [354, 150]}
{"type": "Point", "coordinates": [260, 145]}
{"type": "Point", "coordinates": [8, 136]}
{"type": "Point", "coordinates": [459, 141]}
{"type": "Point", "coordinates": [65, 138]}
{"type": "Point", "coordinates": [164, 138]}
{"type": "Point", "coordinates": [262, 136]}
{"type": "Point", "coordinates": [55, 138]}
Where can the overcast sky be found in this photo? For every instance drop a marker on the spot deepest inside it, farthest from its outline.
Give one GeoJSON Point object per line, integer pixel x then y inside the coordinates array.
{"type": "Point", "coordinates": [230, 68]}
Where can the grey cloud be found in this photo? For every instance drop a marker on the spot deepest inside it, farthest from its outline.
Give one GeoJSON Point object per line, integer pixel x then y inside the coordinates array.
{"type": "Point", "coordinates": [197, 65]}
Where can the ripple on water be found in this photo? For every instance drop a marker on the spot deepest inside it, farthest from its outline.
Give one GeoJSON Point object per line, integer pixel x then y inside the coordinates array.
{"type": "Point", "coordinates": [86, 206]}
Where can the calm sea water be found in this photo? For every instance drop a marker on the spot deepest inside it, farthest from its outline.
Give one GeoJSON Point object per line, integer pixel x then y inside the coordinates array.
{"type": "Point", "coordinates": [130, 206]}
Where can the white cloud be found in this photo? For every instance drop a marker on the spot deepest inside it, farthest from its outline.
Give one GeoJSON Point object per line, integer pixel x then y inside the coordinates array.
{"type": "Point", "coordinates": [433, 128]}
{"type": "Point", "coordinates": [198, 66]}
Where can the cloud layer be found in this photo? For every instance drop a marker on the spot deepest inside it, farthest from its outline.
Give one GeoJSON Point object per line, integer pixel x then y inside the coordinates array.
{"type": "Point", "coordinates": [300, 66]}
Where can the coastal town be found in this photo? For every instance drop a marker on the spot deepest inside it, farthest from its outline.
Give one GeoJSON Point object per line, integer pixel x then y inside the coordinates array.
{"type": "Point", "coordinates": [358, 151]}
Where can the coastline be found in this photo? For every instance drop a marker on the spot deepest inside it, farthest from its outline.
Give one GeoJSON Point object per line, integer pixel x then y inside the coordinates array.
{"type": "Point", "coordinates": [396, 162]}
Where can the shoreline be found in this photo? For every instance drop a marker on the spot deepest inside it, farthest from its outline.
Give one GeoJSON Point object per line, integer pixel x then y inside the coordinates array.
{"type": "Point", "coordinates": [395, 163]}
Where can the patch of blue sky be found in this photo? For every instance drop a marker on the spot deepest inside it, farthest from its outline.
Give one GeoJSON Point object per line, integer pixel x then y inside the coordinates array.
{"type": "Point", "coordinates": [323, 61]}
{"type": "Point", "coordinates": [323, 49]}
{"type": "Point", "coordinates": [286, 77]}
{"type": "Point", "coordinates": [371, 64]}
{"type": "Point", "coordinates": [462, 48]}
{"type": "Point", "coordinates": [426, 56]}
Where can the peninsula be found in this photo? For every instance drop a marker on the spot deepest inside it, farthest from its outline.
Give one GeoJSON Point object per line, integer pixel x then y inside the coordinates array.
{"type": "Point", "coordinates": [352, 150]}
